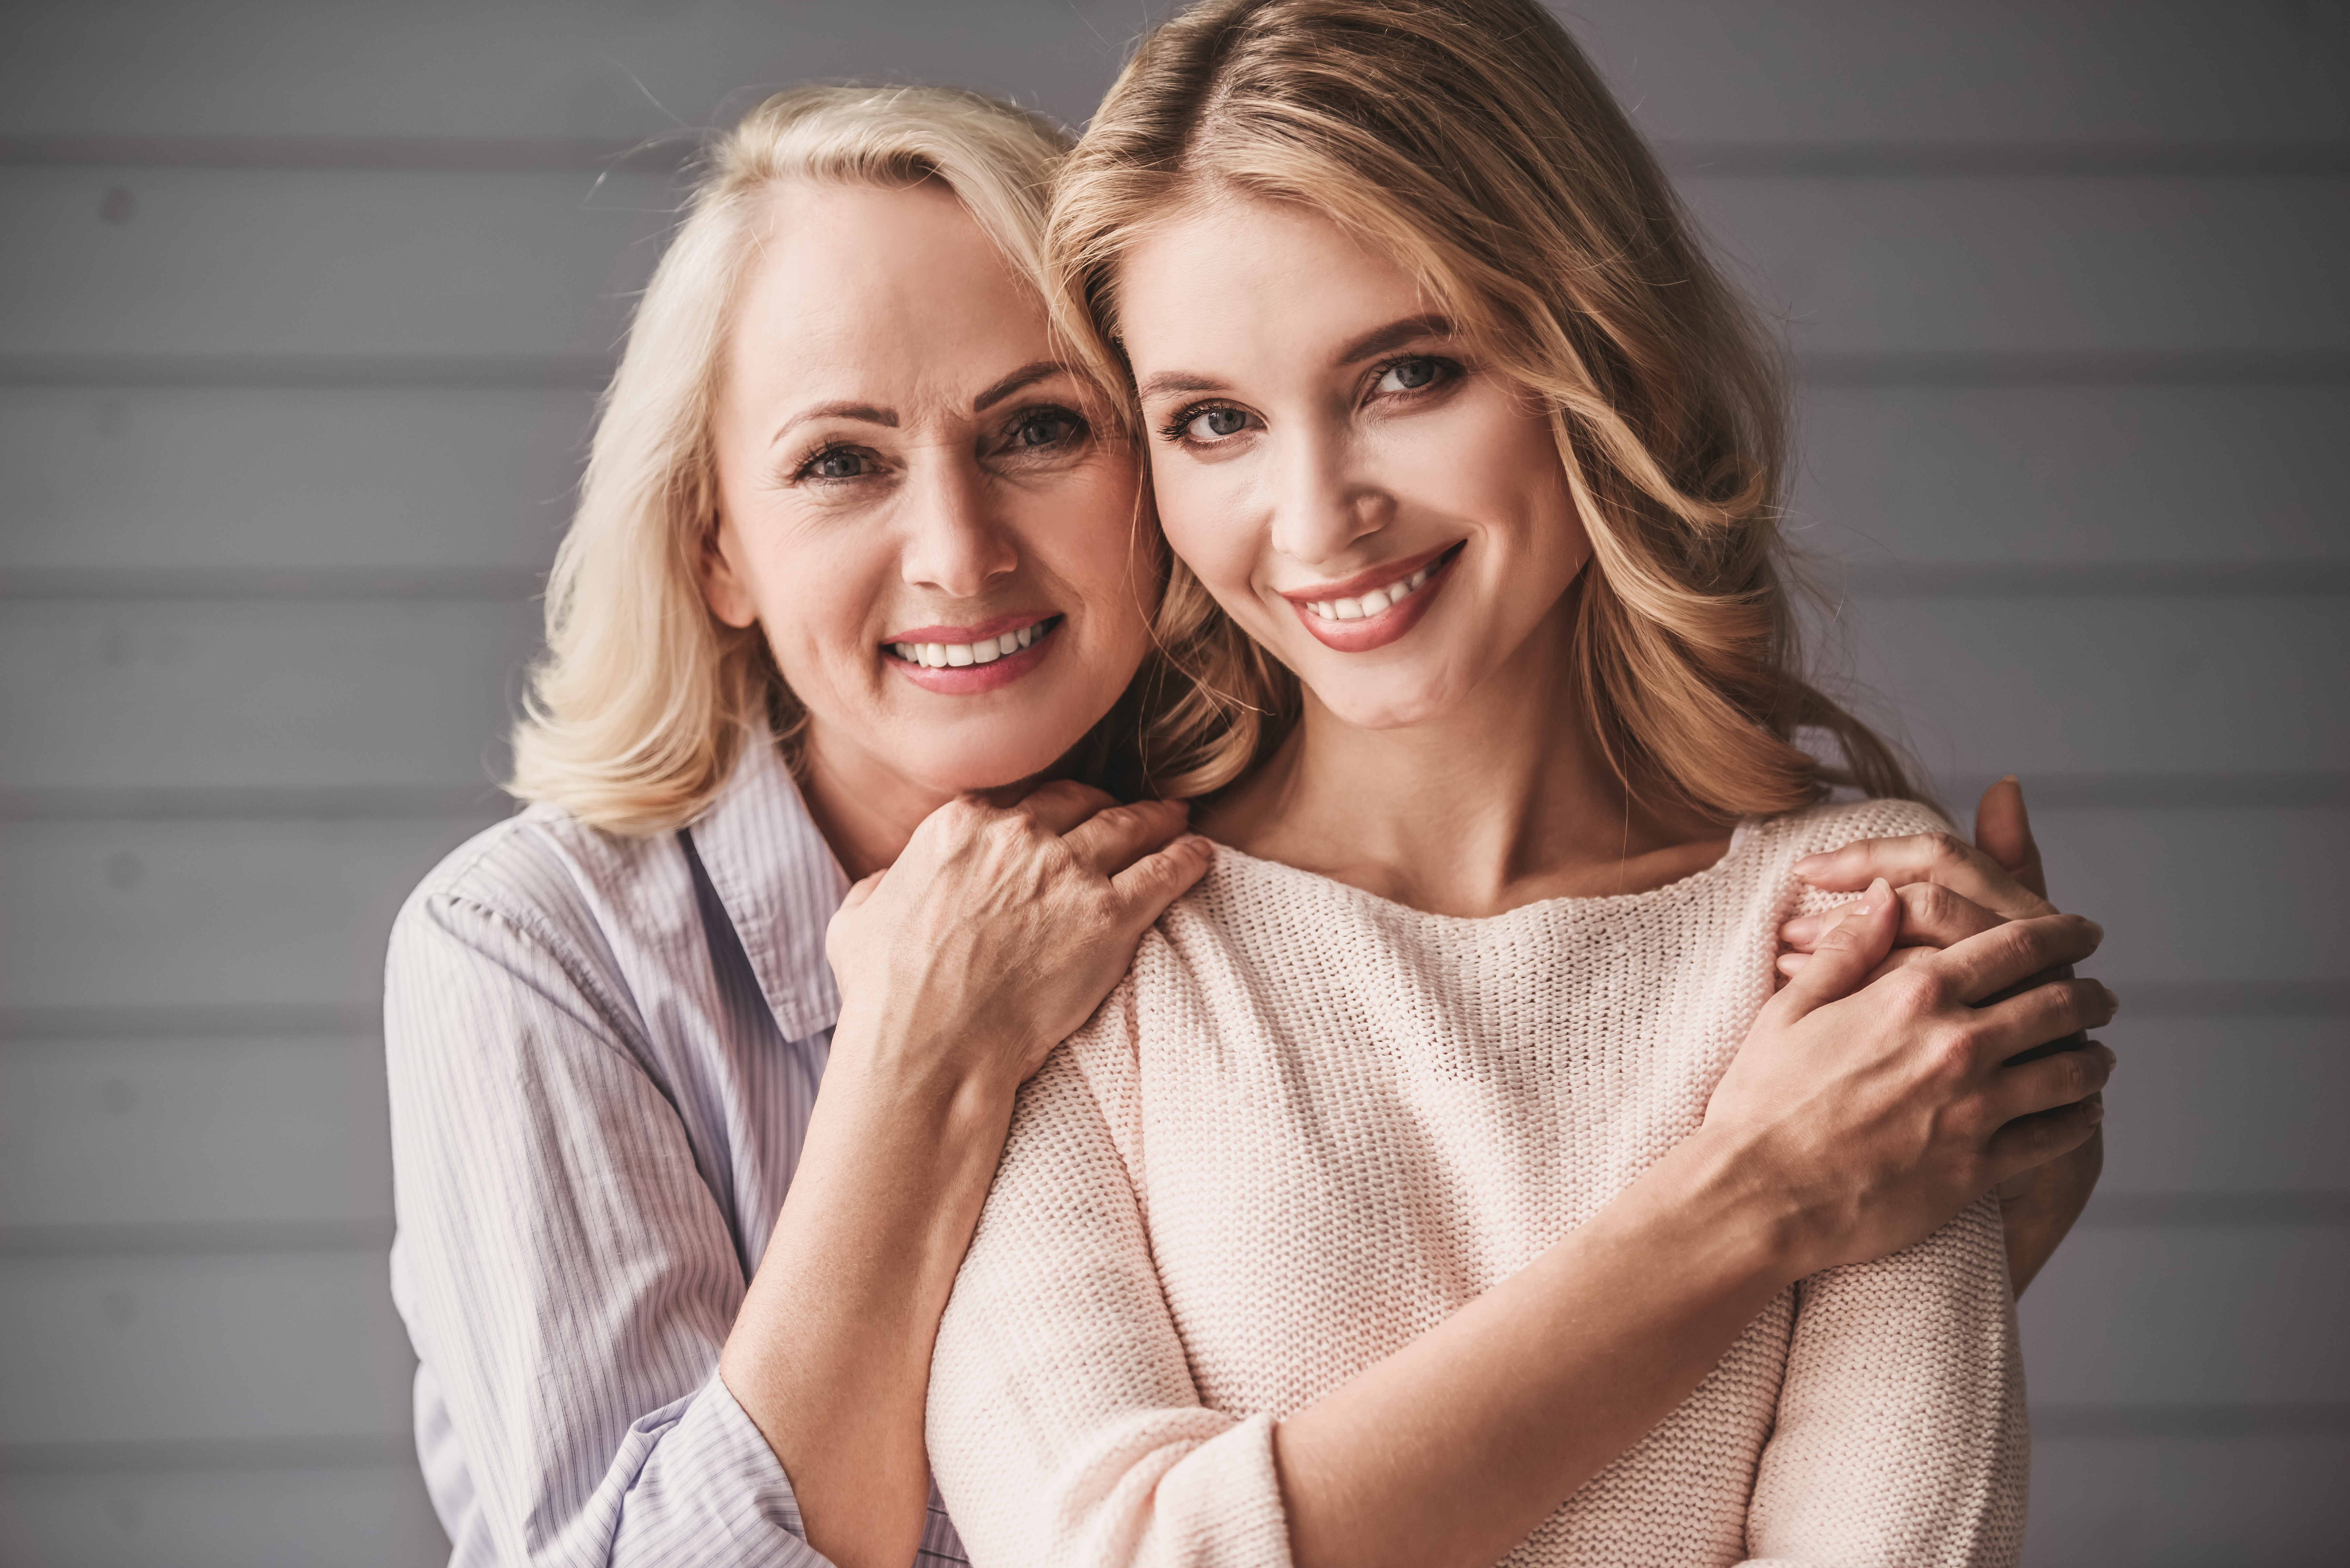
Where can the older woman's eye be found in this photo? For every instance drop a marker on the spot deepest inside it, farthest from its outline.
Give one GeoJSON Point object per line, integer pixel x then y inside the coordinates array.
{"type": "Point", "coordinates": [1411, 375]}
{"type": "Point", "coordinates": [1045, 427]}
{"type": "Point", "coordinates": [837, 462]}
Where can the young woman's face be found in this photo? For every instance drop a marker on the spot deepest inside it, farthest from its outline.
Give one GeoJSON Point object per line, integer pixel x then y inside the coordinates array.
{"type": "Point", "coordinates": [1387, 518]}
{"type": "Point", "coordinates": [913, 504]}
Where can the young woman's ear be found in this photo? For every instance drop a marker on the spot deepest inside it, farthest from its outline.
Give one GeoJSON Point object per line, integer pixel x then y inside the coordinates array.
{"type": "Point", "coordinates": [724, 588]}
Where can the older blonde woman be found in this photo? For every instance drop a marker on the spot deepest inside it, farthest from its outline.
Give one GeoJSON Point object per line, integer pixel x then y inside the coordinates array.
{"type": "Point", "coordinates": [679, 1213]}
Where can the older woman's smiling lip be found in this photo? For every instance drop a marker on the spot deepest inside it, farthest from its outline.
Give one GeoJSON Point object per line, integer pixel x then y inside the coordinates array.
{"type": "Point", "coordinates": [1372, 608]}
{"type": "Point", "coordinates": [957, 661]}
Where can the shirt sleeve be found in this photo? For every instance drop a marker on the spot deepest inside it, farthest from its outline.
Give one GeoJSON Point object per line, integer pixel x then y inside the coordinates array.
{"type": "Point", "coordinates": [1901, 1434]}
{"type": "Point", "coordinates": [567, 1276]}
{"type": "Point", "coordinates": [1064, 1425]}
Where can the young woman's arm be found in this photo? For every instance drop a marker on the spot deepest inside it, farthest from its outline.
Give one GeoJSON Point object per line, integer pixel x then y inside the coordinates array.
{"type": "Point", "coordinates": [991, 938]}
{"type": "Point", "coordinates": [1067, 1429]}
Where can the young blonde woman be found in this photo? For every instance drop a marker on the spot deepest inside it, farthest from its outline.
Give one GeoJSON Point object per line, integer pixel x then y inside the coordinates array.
{"type": "Point", "coordinates": [677, 1212]}
{"type": "Point", "coordinates": [1445, 1183]}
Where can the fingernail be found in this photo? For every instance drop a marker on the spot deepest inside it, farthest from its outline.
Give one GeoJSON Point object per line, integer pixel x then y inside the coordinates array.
{"type": "Point", "coordinates": [2096, 1109]}
{"type": "Point", "coordinates": [1880, 895]}
{"type": "Point", "coordinates": [1810, 863]}
{"type": "Point", "coordinates": [2097, 931]}
{"type": "Point", "coordinates": [2113, 1002]}
{"type": "Point", "coordinates": [1802, 929]}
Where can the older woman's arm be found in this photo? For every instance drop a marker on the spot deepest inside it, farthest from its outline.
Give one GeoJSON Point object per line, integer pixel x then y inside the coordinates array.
{"type": "Point", "coordinates": [1951, 890]}
{"type": "Point", "coordinates": [562, 1263]}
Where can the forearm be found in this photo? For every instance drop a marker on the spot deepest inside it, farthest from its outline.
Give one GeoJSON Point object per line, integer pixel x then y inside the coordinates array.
{"type": "Point", "coordinates": [830, 1355]}
{"type": "Point", "coordinates": [1456, 1446]}
{"type": "Point", "coordinates": [2039, 1209]}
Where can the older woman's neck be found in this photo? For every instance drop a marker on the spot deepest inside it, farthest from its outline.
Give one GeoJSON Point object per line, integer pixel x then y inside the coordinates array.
{"type": "Point", "coordinates": [1504, 799]}
{"type": "Point", "coordinates": [864, 809]}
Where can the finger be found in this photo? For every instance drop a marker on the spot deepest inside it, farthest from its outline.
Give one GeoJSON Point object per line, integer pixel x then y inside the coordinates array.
{"type": "Point", "coordinates": [1145, 889]}
{"type": "Point", "coordinates": [2031, 1141]}
{"type": "Point", "coordinates": [2003, 831]}
{"type": "Point", "coordinates": [1115, 838]}
{"type": "Point", "coordinates": [1844, 957]}
{"type": "Point", "coordinates": [1791, 964]}
{"type": "Point", "coordinates": [1939, 857]}
{"type": "Point", "coordinates": [1061, 804]}
{"type": "Point", "coordinates": [1982, 965]}
{"type": "Point", "coordinates": [2045, 1014]}
{"type": "Point", "coordinates": [1932, 916]}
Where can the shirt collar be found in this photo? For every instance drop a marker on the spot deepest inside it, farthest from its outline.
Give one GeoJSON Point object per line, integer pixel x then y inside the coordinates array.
{"type": "Point", "coordinates": [780, 885]}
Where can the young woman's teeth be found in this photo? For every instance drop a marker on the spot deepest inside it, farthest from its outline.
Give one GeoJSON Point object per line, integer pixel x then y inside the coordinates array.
{"type": "Point", "coordinates": [941, 654]}
{"type": "Point", "coordinates": [1371, 603]}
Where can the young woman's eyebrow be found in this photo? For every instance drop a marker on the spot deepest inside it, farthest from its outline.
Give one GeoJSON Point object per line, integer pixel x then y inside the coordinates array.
{"type": "Point", "coordinates": [866, 412]}
{"type": "Point", "coordinates": [1393, 336]}
{"type": "Point", "coordinates": [1169, 382]}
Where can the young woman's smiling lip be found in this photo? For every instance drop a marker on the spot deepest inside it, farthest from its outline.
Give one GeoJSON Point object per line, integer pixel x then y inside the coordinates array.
{"type": "Point", "coordinates": [1339, 617]}
{"type": "Point", "coordinates": [961, 661]}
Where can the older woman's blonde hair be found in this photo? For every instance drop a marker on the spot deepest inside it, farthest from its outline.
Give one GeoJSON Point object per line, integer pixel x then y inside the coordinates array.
{"type": "Point", "coordinates": [643, 700]}
{"type": "Point", "coordinates": [1472, 142]}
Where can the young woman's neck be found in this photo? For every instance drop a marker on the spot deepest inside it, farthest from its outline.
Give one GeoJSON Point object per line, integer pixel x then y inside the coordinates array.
{"type": "Point", "coordinates": [1503, 799]}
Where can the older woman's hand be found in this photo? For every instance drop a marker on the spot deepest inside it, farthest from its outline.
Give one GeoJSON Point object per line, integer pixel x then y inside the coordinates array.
{"type": "Point", "coordinates": [1001, 928]}
{"type": "Point", "coordinates": [1951, 890]}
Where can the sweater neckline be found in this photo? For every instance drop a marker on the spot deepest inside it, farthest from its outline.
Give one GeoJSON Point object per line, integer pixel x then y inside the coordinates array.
{"type": "Point", "coordinates": [1743, 842]}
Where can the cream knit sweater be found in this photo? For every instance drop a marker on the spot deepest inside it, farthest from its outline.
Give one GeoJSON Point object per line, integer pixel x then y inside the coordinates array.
{"type": "Point", "coordinates": [1311, 1123]}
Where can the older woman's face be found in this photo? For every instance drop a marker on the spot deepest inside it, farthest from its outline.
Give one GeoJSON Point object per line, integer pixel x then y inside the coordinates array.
{"type": "Point", "coordinates": [953, 569]}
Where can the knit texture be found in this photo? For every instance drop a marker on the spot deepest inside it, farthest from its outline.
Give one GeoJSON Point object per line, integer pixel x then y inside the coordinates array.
{"type": "Point", "coordinates": [1311, 1124]}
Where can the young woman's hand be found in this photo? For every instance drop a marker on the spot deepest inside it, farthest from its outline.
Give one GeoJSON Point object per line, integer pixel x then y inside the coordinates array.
{"type": "Point", "coordinates": [1951, 890]}
{"type": "Point", "coordinates": [1001, 928]}
{"type": "Point", "coordinates": [1881, 1107]}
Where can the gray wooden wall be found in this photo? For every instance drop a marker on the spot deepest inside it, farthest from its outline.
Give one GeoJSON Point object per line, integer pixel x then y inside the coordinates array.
{"type": "Point", "coordinates": [301, 309]}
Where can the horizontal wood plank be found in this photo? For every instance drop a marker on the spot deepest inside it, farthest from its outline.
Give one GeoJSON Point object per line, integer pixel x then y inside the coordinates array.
{"type": "Point", "coordinates": [2128, 1318]}
{"type": "Point", "coordinates": [268, 1136]}
{"type": "Point", "coordinates": [2062, 475]}
{"type": "Point", "coordinates": [387, 265]}
{"type": "Point", "coordinates": [173, 915]}
{"type": "Point", "coordinates": [155, 1348]}
{"type": "Point", "coordinates": [2039, 266]}
{"type": "Point", "coordinates": [2099, 686]}
{"type": "Point", "coordinates": [610, 71]}
{"type": "Point", "coordinates": [373, 1515]}
{"type": "Point", "coordinates": [141, 694]}
{"type": "Point", "coordinates": [227, 479]}
{"type": "Point", "coordinates": [2188, 1502]}
{"type": "Point", "coordinates": [2226, 1105]}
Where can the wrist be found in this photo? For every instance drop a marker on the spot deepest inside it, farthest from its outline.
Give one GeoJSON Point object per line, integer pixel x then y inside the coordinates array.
{"type": "Point", "coordinates": [1740, 1211]}
{"type": "Point", "coordinates": [945, 1076]}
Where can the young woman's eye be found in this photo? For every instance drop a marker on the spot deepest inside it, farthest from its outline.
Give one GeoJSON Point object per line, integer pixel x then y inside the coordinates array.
{"type": "Point", "coordinates": [837, 462]}
{"type": "Point", "coordinates": [1209, 425]}
{"type": "Point", "coordinates": [1411, 375]}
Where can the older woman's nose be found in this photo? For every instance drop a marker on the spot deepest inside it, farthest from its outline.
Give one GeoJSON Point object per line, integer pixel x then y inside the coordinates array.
{"type": "Point", "coordinates": [955, 544]}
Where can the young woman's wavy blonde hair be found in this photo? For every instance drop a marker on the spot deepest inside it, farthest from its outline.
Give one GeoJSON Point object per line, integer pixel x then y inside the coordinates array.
{"type": "Point", "coordinates": [1472, 141]}
{"type": "Point", "coordinates": [644, 699]}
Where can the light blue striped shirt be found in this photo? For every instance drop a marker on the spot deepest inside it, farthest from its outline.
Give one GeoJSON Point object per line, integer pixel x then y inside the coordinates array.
{"type": "Point", "coordinates": [603, 1053]}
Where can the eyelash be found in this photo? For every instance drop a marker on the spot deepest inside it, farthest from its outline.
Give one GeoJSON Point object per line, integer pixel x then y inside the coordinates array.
{"type": "Point", "coordinates": [1447, 370]}
{"type": "Point", "coordinates": [1077, 430]}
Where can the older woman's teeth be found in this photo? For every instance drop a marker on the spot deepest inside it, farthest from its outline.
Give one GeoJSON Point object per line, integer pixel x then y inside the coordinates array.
{"type": "Point", "coordinates": [1371, 603]}
{"type": "Point", "coordinates": [956, 655]}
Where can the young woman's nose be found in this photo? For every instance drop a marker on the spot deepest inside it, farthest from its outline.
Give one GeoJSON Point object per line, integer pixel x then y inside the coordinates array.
{"type": "Point", "coordinates": [1323, 504]}
{"type": "Point", "coordinates": [955, 545]}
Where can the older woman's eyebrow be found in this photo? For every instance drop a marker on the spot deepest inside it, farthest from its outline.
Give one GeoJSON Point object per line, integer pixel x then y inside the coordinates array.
{"type": "Point", "coordinates": [1394, 335]}
{"type": "Point", "coordinates": [866, 412]}
{"type": "Point", "coordinates": [1028, 374]}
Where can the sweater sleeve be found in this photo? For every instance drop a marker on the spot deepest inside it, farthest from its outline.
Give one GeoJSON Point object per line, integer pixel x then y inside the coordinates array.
{"type": "Point", "coordinates": [1901, 1435]}
{"type": "Point", "coordinates": [564, 1270]}
{"type": "Point", "coordinates": [1063, 1425]}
